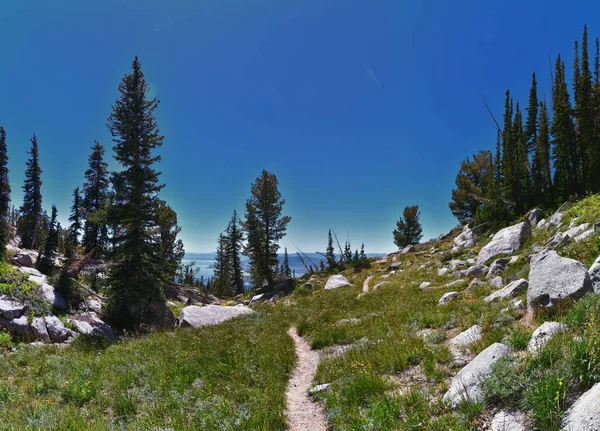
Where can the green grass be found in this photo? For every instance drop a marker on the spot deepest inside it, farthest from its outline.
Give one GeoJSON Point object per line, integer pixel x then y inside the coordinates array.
{"type": "Point", "coordinates": [228, 377]}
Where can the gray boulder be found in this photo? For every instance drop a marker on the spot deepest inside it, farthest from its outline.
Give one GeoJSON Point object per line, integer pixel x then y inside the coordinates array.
{"type": "Point", "coordinates": [505, 241]}
{"type": "Point", "coordinates": [34, 275]}
{"type": "Point", "coordinates": [584, 415]}
{"type": "Point", "coordinates": [466, 239]}
{"type": "Point", "coordinates": [409, 249]}
{"type": "Point", "coordinates": [194, 316]}
{"type": "Point", "coordinates": [556, 219]}
{"type": "Point", "coordinates": [499, 266]}
{"type": "Point", "coordinates": [337, 281]}
{"type": "Point", "coordinates": [554, 279]}
{"type": "Point", "coordinates": [90, 324]}
{"type": "Point", "coordinates": [38, 327]}
{"type": "Point", "coordinates": [513, 289]}
{"type": "Point", "coordinates": [57, 331]}
{"type": "Point", "coordinates": [466, 385]}
{"type": "Point", "coordinates": [25, 258]}
{"type": "Point", "coordinates": [50, 294]}
{"type": "Point", "coordinates": [543, 334]}
{"type": "Point", "coordinates": [443, 271]}
{"type": "Point", "coordinates": [595, 275]}
{"type": "Point", "coordinates": [477, 271]}
{"type": "Point", "coordinates": [456, 263]}
{"type": "Point", "coordinates": [447, 297]}
{"type": "Point", "coordinates": [507, 421]}
{"type": "Point", "coordinates": [19, 327]}
{"type": "Point", "coordinates": [535, 216]}
{"type": "Point", "coordinates": [393, 266]}
{"type": "Point", "coordinates": [10, 309]}
{"type": "Point", "coordinates": [585, 235]}
{"type": "Point", "coordinates": [466, 338]}
{"type": "Point", "coordinates": [425, 285]}
{"type": "Point", "coordinates": [497, 282]}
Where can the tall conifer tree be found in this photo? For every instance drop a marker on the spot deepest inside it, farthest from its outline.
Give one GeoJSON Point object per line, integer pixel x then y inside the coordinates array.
{"type": "Point", "coordinates": [265, 225]}
{"type": "Point", "coordinates": [46, 262]}
{"type": "Point", "coordinates": [532, 116]}
{"type": "Point", "coordinates": [137, 280]}
{"type": "Point", "coordinates": [76, 223]}
{"type": "Point", "coordinates": [542, 176]}
{"type": "Point", "coordinates": [95, 201]}
{"type": "Point", "coordinates": [235, 237]}
{"type": "Point", "coordinates": [31, 210]}
{"type": "Point", "coordinates": [4, 193]}
{"type": "Point", "coordinates": [330, 252]}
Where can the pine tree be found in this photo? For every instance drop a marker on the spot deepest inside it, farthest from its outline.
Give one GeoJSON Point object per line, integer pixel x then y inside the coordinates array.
{"type": "Point", "coordinates": [522, 187]}
{"type": "Point", "coordinates": [532, 116]}
{"type": "Point", "coordinates": [264, 225]}
{"type": "Point", "coordinates": [408, 229]}
{"type": "Point", "coordinates": [348, 252]}
{"type": "Point", "coordinates": [76, 224]}
{"type": "Point", "coordinates": [171, 248]}
{"type": "Point", "coordinates": [4, 193]}
{"type": "Point", "coordinates": [542, 176]}
{"type": "Point", "coordinates": [584, 123]}
{"type": "Point", "coordinates": [330, 253]}
{"type": "Point", "coordinates": [363, 256]}
{"type": "Point", "coordinates": [509, 151]}
{"type": "Point", "coordinates": [471, 186]}
{"type": "Point", "coordinates": [235, 236]}
{"type": "Point", "coordinates": [95, 202]}
{"type": "Point", "coordinates": [566, 161]}
{"type": "Point", "coordinates": [285, 266]}
{"type": "Point", "coordinates": [31, 210]}
{"type": "Point", "coordinates": [222, 271]}
{"type": "Point", "coordinates": [46, 262]}
{"type": "Point", "coordinates": [136, 281]}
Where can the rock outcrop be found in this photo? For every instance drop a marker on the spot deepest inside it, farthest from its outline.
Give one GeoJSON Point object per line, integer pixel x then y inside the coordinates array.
{"type": "Point", "coordinates": [513, 289]}
{"type": "Point", "coordinates": [584, 415]}
{"type": "Point", "coordinates": [505, 241]}
{"type": "Point", "coordinates": [595, 275]}
{"type": "Point", "coordinates": [543, 334]}
{"type": "Point", "coordinates": [194, 316]}
{"type": "Point", "coordinates": [337, 281]}
{"type": "Point", "coordinates": [466, 239]}
{"type": "Point", "coordinates": [466, 385]}
{"type": "Point", "coordinates": [554, 279]}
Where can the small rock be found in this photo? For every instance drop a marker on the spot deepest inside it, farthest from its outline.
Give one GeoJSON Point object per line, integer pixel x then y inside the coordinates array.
{"type": "Point", "coordinates": [554, 279]}
{"type": "Point", "coordinates": [497, 282]}
{"type": "Point", "coordinates": [499, 266]}
{"type": "Point", "coordinates": [443, 271]}
{"type": "Point", "coordinates": [38, 326]}
{"type": "Point", "coordinates": [53, 297]}
{"type": "Point", "coordinates": [466, 338]}
{"type": "Point", "coordinates": [90, 324]}
{"type": "Point", "coordinates": [447, 297]}
{"type": "Point", "coordinates": [513, 289]}
{"type": "Point", "coordinates": [424, 285]}
{"type": "Point", "coordinates": [506, 241]}
{"type": "Point", "coordinates": [506, 421]}
{"type": "Point", "coordinates": [57, 331]}
{"type": "Point", "coordinates": [466, 239]}
{"type": "Point", "coordinates": [585, 235]}
{"type": "Point", "coordinates": [535, 216]}
{"type": "Point", "coordinates": [543, 334]}
{"type": "Point", "coordinates": [584, 415]}
{"type": "Point", "coordinates": [337, 281]}
{"type": "Point", "coordinates": [409, 249]}
{"type": "Point", "coordinates": [466, 385]}
{"type": "Point", "coordinates": [394, 266]}
{"type": "Point", "coordinates": [10, 309]}
{"type": "Point", "coordinates": [319, 388]}
{"type": "Point", "coordinates": [556, 219]}
{"type": "Point", "coordinates": [595, 275]}
{"type": "Point", "coordinates": [477, 271]}
{"type": "Point", "coordinates": [194, 316]}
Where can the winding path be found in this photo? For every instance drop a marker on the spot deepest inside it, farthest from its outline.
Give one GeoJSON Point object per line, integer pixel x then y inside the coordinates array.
{"type": "Point", "coordinates": [301, 412]}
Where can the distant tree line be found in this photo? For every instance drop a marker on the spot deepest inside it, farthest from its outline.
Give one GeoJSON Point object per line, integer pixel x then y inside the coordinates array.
{"type": "Point", "coordinates": [545, 154]}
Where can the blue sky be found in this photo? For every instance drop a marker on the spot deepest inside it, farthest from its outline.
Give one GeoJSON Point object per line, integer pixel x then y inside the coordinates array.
{"type": "Point", "coordinates": [359, 107]}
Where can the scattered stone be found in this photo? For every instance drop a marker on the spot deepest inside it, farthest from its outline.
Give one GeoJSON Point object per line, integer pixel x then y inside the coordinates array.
{"type": "Point", "coordinates": [554, 279]}
{"type": "Point", "coordinates": [456, 263]}
{"type": "Point", "coordinates": [466, 385]}
{"type": "Point", "coordinates": [556, 219]}
{"type": "Point", "coordinates": [90, 324]}
{"type": "Point", "coordinates": [470, 261]}
{"type": "Point", "coordinates": [535, 216]}
{"type": "Point", "coordinates": [543, 334]}
{"type": "Point", "coordinates": [519, 305]}
{"type": "Point", "coordinates": [447, 297]}
{"type": "Point", "coordinates": [443, 271]}
{"type": "Point", "coordinates": [57, 331]}
{"type": "Point", "coordinates": [475, 282]}
{"type": "Point", "coordinates": [452, 283]}
{"type": "Point", "coordinates": [50, 294]}
{"type": "Point", "coordinates": [510, 291]}
{"type": "Point", "coordinates": [584, 415]}
{"type": "Point", "coordinates": [336, 281]}
{"type": "Point", "coordinates": [38, 326]}
{"type": "Point", "coordinates": [19, 327]}
{"type": "Point", "coordinates": [466, 239]}
{"type": "Point", "coordinates": [477, 271]}
{"type": "Point", "coordinates": [595, 275]}
{"type": "Point", "coordinates": [585, 235]}
{"type": "Point", "coordinates": [319, 388]}
{"type": "Point", "coordinates": [513, 260]}
{"type": "Point", "coordinates": [499, 266]}
{"type": "Point", "coordinates": [506, 241]}
{"type": "Point", "coordinates": [194, 316]}
{"type": "Point", "coordinates": [394, 266]}
{"type": "Point", "coordinates": [10, 309]}
{"type": "Point", "coordinates": [409, 249]}
{"type": "Point", "coordinates": [378, 285]}
{"type": "Point", "coordinates": [466, 338]}
{"type": "Point", "coordinates": [425, 285]}
{"type": "Point", "coordinates": [542, 224]}
{"type": "Point", "coordinates": [506, 421]}
{"type": "Point", "coordinates": [497, 282]}
{"type": "Point", "coordinates": [382, 261]}
{"type": "Point", "coordinates": [24, 258]}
